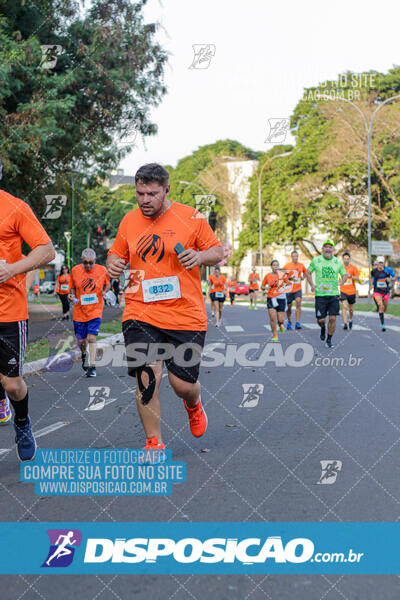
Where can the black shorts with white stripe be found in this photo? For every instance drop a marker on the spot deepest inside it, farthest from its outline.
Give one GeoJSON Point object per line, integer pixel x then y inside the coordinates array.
{"type": "Point", "coordinates": [13, 339]}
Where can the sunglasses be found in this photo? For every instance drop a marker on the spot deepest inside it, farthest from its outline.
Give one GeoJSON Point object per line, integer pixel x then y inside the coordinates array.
{"type": "Point", "coordinates": [88, 262]}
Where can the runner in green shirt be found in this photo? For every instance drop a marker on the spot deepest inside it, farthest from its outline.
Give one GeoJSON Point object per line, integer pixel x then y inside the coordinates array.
{"type": "Point", "coordinates": [327, 269]}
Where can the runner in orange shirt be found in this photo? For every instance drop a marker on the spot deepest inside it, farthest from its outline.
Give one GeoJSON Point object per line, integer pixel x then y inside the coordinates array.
{"type": "Point", "coordinates": [296, 293]}
{"type": "Point", "coordinates": [218, 286]}
{"type": "Point", "coordinates": [165, 243]}
{"type": "Point", "coordinates": [348, 292]}
{"type": "Point", "coordinates": [18, 224]}
{"type": "Point", "coordinates": [89, 284]}
{"type": "Point", "coordinates": [254, 278]}
{"type": "Point", "coordinates": [276, 301]}
{"type": "Point", "coordinates": [63, 285]}
{"type": "Point", "coordinates": [232, 283]}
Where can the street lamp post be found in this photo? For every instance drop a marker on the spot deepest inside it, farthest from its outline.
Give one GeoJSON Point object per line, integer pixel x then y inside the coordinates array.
{"type": "Point", "coordinates": [67, 235]}
{"type": "Point", "coordinates": [368, 129]}
{"type": "Point", "coordinates": [71, 243]}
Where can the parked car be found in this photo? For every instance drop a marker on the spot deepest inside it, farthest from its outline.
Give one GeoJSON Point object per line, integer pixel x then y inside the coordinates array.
{"type": "Point", "coordinates": [242, 288]}
{"type": "Point", "coordinates": [396, 288]}
{"type": "Point", "coordinates": [47, 287]}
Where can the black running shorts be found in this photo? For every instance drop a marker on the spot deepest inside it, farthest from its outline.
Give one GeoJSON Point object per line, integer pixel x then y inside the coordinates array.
{"type": "Point", "coordinates": [13, 339]}
{"type": "Point", "coordinates": [326, 305]}
{"type": "Point", "coordinates": [181, 350]}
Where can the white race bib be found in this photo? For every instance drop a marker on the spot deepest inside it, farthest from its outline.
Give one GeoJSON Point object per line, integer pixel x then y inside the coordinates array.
{"type": "Point", "coordinates": [89, 299]}
{"type": "Point", "coordinates": [64, 287]}
{"type": "Point", "coordinates": [161, 288]}
{"type": "Point", "coordinates": [219, 294]}
{"type": "Point", "coordinates": [381, 283]}
{"type": "Point", "coordinates": [274, 302]}
{"type": "Point", "coordinates": [325, 287]}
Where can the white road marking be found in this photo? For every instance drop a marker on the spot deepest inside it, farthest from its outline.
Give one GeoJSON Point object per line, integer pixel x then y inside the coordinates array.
{"type": "Point", "coordinates": [268, 327]}
{"type": "Point", "coordinates": [360, 328]}
{"type": "Point", "coordinates": [234, 328]}
{"type": "Point", "coordinates": [311, 326]}
{"type": "Point", "coordinates": [40, 433]}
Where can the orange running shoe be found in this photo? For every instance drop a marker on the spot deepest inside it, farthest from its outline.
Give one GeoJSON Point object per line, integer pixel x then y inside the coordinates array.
{"type": "Point", "coordinates": [152, 444]}
{"type": "Point", "coordinates": [156, 454]}
{"type": "Point", "coordinates": [197, 419]}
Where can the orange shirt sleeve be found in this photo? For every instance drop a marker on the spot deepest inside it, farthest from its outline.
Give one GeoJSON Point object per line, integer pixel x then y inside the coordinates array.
{"type": "Point", "coordinates": [205, 237]}
{"type": "Point", "coordinates": [120, 246]}
{"type": "Point", "coordinates": [29, 228]}
{"type": "Point", "coordinates": [265, 280]}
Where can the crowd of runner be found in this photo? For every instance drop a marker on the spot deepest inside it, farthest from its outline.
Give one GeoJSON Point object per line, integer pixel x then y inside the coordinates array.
{"type": "Point", "coordinates": [162, 244]}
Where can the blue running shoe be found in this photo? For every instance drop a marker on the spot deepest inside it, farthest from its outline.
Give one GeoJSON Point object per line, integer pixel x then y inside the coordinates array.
{"type": "Point", "coordinates": [289, 326]}
{"type": "Point", "coordinates": [26, 445]}
{"type": "Point", "coordinates": [297, 326]}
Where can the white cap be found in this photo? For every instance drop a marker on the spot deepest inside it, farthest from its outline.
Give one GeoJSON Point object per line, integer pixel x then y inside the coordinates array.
{"type": "Point", "coordinates": [380, 259]}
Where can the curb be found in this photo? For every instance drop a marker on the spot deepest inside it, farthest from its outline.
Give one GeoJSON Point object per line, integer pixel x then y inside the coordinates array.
{"type": "Point", "coordinates": [65, 359]}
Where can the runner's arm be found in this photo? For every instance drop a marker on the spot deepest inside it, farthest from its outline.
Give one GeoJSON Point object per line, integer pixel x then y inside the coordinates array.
{"type": "Point", "coordinates": [309, 279]}
{"type": "Point", "coordinates": [115, 265]}
{"type": "Point", "coordinates": [39, 256]}
{"type": "Point", "coordinates": [194, 258]}
{"type": "Point", "coordinates": [106, 288]}
{"type": "Point", "coordinates": [344, 278]}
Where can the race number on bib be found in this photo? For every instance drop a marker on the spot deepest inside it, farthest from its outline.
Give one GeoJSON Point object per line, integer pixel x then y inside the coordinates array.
{"type": "Point", "coordinates": [64, 287]}
{"type": "Point", "coordinates": [381, 283]}
{"type": "Point", "coordinates": [161, 288]}
{"type": "Point", "coordinates": [219, 294]}
{"type": "Point", "coordinates": [325, 287]}
{"type": "Point", "coordinates": [89, 299]}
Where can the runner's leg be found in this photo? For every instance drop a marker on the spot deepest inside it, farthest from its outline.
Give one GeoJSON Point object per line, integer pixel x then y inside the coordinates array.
{"type": "Point", "coordinates": [344, 311]}
{"type": "Point", "coordinates": [92, 343]}
{"type": "Point", "coordinates": [148, 399]}
{"type": "Point", "coordinates": [289, 312]}
{"type": "Point", "coordinates": [272, 320]}
{"type": "Point", "coordinates": [298, 309]}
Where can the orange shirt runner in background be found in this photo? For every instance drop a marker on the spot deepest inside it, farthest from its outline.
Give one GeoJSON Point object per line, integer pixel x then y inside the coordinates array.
{"type": "Point", "coordinates": [301, 269]}
{"type": "Point", "coordinates": [218, 283]}
{"type": "Point", "coordinates": [232, 284]}
{"type": "Point", "coordinates": [63, 284]}
{"type": "Point", "coordinates": [148, 245]}
{"type": "Point", "coordinates": [272, 280]}
{"type": "Point", "coordinates": [254, 279]}
{"type": "Point", "coordinates": [17, 224]}
{"type": "Point", "coordinates": [88, 286]}
{"type": "Point", "coordinates": [349, 287]}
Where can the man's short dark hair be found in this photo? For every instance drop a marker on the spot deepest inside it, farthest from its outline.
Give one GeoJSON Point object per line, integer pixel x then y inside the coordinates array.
{"type": "Point", "coordinates": [346, 254]}
{"type": "Point", "coordinates": [152, 172]}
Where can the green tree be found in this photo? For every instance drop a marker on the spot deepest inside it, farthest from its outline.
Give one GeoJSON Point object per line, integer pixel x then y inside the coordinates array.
{"type": "Point", "coordinates": [106, 78]}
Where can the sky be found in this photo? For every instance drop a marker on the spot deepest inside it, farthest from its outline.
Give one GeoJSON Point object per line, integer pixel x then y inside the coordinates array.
{"type": "Point", "coordinates": [266, 53]}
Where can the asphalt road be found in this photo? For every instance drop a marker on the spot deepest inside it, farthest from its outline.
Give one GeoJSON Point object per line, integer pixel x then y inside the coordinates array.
{"type": "Point", "coordinates": [263, 460]}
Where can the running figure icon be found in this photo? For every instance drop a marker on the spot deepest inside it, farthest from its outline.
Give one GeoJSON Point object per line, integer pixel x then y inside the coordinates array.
{"type": "Point", "coordinates": [62, 549]}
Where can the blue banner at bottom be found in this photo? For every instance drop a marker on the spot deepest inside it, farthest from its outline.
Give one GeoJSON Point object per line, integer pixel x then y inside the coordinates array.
{"type": "Point", "coordinates": [213, 548]}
